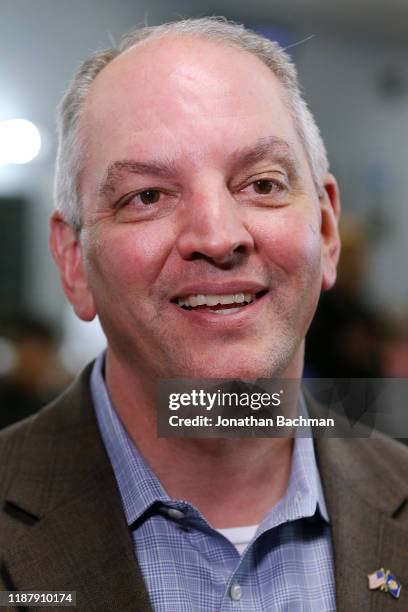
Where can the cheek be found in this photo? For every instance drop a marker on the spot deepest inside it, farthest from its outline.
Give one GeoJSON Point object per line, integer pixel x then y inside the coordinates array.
{"type": "Point", "coordinates": [292, 242]}
{"type": "Point", "coordinates": [130, 256]}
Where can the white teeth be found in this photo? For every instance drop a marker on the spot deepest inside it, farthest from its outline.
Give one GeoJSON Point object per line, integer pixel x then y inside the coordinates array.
{"type": "Point", "coordinates": [212, 300]}
{"type": "Point", "coordinates": [226, 311]}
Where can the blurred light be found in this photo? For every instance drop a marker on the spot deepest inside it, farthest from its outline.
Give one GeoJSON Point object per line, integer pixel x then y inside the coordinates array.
{"type": "Point", "coordinates": [20, 141]}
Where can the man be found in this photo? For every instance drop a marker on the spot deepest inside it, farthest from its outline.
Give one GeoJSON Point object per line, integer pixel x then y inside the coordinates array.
{"type": "Point", "coordinates": [197, 217]}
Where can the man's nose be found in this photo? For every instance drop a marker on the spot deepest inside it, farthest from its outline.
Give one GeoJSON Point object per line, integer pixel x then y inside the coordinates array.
{"type": "Point", "coordinates": [213, 228]}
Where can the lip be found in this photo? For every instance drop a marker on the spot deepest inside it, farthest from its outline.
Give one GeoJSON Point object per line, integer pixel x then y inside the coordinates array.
{"type": "Point", "coordinates": [213, 288]}
{"type": "Point", "coordinates": [234, 320]}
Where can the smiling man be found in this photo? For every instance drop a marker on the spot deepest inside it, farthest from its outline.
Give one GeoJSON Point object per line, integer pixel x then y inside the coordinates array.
{"type": "Point", "coordinates": [197, 218]}
{"type": "Point", "coordinates": [196, 186]}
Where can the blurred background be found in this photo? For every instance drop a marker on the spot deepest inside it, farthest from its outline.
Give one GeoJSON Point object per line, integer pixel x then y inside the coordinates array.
{"type": "Point", "coordinates": [354, 71]}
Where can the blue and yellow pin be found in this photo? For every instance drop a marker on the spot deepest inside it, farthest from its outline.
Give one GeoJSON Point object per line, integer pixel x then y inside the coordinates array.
{"type": "Point", "coordinates": [385, 581]}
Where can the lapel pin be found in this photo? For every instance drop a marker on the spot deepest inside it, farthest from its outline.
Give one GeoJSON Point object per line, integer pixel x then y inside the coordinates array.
{"type": "Point", "coordinates": [376, 580]}
{"type": "Point", "coordinates": [385, 581]}
{"type": "Point", "coordinates": [392, 584]}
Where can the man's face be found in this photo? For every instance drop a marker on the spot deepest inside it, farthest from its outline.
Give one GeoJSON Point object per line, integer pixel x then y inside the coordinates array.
{"type": "Point", "coordinates": [197, 191]}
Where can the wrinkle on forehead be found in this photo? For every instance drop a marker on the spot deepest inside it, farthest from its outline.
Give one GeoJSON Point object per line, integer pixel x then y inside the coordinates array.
{"type": "Point", "coordinates": [272, 148]}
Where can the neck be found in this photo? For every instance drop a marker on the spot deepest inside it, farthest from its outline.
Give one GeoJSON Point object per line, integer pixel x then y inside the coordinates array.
{"type": "Point", "coordinates": [246, 476]}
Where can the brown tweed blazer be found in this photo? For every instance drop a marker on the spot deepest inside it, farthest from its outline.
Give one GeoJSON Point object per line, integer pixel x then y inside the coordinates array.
{"type": "Point", "coordinates": [62, 526]}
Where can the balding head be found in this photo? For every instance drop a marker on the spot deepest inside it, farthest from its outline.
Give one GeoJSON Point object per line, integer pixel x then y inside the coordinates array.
{"type": "Point", "coordinates": [72, 142]}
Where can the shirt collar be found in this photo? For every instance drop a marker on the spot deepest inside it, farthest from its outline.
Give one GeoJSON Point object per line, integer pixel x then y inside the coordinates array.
{"type": "Point", "coordinates": [140, 488]}
{"type": "Point", "coordinates": [305, 473]}
{"type": "Point", "coordinates": [138, 485]}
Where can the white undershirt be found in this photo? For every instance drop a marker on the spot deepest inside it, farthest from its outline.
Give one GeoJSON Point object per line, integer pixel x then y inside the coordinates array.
{"type": "Point", "coordinates": [240, 537]}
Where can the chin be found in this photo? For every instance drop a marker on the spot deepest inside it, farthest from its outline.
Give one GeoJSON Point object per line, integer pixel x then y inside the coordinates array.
{"type": "Point", "coordinates": [243, 366]}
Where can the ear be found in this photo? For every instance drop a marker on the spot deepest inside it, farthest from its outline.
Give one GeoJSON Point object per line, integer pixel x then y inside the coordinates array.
{"type": "Point", "coordinates": [330, 213]}
{"type": "Point", "coordinates": [67, 253]}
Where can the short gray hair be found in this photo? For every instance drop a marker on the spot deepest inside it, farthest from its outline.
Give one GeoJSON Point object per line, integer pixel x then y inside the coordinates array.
{"type": "Point", "coordinates": [71, 143]}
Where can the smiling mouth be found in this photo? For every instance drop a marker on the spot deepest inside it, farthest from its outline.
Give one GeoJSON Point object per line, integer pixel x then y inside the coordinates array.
{"type": "Point", "coordinates": [218, 304]}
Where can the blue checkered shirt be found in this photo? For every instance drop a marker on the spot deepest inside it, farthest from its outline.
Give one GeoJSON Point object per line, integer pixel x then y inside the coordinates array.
{"type": "Point", "coordinates": [188, 566]}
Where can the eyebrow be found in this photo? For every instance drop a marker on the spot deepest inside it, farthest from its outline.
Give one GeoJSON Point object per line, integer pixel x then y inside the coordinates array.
{"type": "Point", "coordinates": [275, 148]}
{"type": "Point", "coordinates": [116, 170]}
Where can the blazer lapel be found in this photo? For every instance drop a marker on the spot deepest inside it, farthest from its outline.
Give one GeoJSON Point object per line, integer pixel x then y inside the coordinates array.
{"type": "Point", "coordinates": [77, 538]}
{"type": "Point", "coordinates": [83, 546]}
{"type": "Point", "coordinates": [366, 534]}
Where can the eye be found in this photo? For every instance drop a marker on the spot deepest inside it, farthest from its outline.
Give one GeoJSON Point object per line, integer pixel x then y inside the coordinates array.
{"type": "Point", "coordinates": [265, 191]}
{"type": "Point", "coordinates": [265, 186]}
{"type": "Point", "coordinates": [145, 204]}
{"type": "Point", "coordinates": [150, 196]}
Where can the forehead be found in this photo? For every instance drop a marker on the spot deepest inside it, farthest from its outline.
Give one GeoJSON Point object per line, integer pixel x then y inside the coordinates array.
{"type": "Point", "coordinates": [183, 95]}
